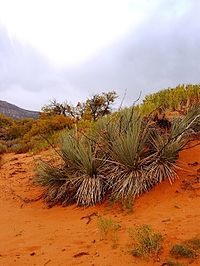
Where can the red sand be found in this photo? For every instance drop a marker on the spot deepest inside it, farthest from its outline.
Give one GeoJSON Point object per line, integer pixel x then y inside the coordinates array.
{"type": "Point", "coordinates": [32, 234]}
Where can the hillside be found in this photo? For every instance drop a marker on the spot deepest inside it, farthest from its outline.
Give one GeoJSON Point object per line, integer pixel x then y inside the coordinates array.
{"type": "Point", "coordinates": [32, 234]}
{"type": "Point", "coordinates": [16, 112]}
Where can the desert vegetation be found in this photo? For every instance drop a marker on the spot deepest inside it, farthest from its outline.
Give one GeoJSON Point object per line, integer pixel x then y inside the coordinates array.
{"type": "Point", "coordinates": [117, 158]}
{"type": "Point", "coordinates": [108, 229]}
{"type": "Point", "coordinates": [25, 135]}
{"type": "Point", "coordinates": [104, 155]}
{"type": "Point", "coordinates": [145, 241]}
{"type": "Point", "coordinates": [36, 134]}
{"type": "Point", "coordinates": [180, 99]}
{"type": "Point", "coordinates": [187, 249]}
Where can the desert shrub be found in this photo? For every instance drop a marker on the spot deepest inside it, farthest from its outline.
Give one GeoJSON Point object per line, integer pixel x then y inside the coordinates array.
{"type": "Point", "coordinates": [179, 98]}
{"type": "Point", "coordinates": [58, 184]}
{"type": "Point", "coordinates": [182, 251]}
{"type": "Point", "coordinates": [141, 157]}
{"type": "Point", "coordinates": [146, 242]}
{"type": "Point", "coordinates": [19, 128]}
{"type": "Point", "coordinates": [173, 263]}
{"type": "Point", "coordinates": [5, 121]}
{"type": "Point", "coordinates": [194, 243]}
{"type": "Point", "coordinates": [25, 134]}
{"type": "Point", "coordinates": [3, 148]}
{"type": "Point", "coordinates": [123, 156]}
{"type": "Point", "coordinates": [87, 163]}
{"type": "Point", "coordinates": [108, 228]}
{"type": "Point", "coordinates": [126, 151]}
{"type": "Point", "coordinates": [83, 165]}
{"type": "Point", "coordinates": [188, 249]}
{"type": "Point", "coordinates": [20, 148]}
{"type": "Point", "coordinates": [39, 146]}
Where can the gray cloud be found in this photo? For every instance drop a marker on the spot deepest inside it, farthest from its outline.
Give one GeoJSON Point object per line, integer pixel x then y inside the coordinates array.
{"type": "Point", "coordinates": [26, 77]}
{"type": "Point", "coordinates": [163, 51]}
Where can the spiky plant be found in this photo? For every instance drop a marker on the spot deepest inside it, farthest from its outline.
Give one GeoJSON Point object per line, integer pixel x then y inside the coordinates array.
{"type": "Point", "coordinates": [123, 156]}
{"type": "Point", "coordinates": [141, 157]}
{"type": "Point", "coordinates": [185, 126]}
{"type": "Point", "coordinates": [163, 160]}
{"type": "Point", "coordinates": [128, 158]}
{"type": "Point", "coordinates": [58, 185]}
{"type": "Point", "coordinates": [87, 162]}
{"type": "Point", "coordinates": [165, 148]}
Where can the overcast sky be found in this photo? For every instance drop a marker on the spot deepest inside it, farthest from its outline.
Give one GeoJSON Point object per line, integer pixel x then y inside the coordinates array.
{"type": "Point", "coordinates": [72, 49]}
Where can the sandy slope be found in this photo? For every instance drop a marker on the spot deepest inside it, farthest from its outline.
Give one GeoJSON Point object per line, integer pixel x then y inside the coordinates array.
{"type": "Point", "coordinates": [31, 234]}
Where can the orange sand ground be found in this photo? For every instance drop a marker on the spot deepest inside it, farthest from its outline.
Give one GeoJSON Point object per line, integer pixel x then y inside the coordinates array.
{"type": "Point", "coordinates": [32, 234]}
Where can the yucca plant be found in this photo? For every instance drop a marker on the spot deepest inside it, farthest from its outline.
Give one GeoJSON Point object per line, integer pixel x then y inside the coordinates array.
{"type": "Point", "coordinates": [87, 162]}
{"type": "Point", "coordinates": [128, 161]}
{"type": "Point", "coordinates": [185, 126]}
{"type": "Point", "coordinates": [141, 157]}
{"type": "Point", "coordinates": [165, 148]}
{"type": "Point", "coordinates": [58, 185]}
{"type": "Point", "coordinates": [163, 160]}
{"type": "Point", "coordinates": [122, 156]}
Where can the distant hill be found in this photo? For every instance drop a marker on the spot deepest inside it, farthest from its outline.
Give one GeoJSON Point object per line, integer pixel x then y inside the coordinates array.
{"type": "Point", "coordinates": [16, 112]}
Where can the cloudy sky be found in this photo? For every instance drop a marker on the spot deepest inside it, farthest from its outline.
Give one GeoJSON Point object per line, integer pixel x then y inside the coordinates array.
{"type": "Point", "coordinates": [72, 49]}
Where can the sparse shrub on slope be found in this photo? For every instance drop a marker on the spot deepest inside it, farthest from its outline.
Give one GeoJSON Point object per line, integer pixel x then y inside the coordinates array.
{"type": "Point", "coordinates": [180, 98]}
{"type": "Point", "coordinates": [182, 251]}
{"type": "Point", "coordinates": [108, 228]}
{"type": "Point", "coordinates": [187, 249]}
{"type": "Point", "coordinates": [146, 242]}
{"type": "Point", "coordinates": [173, 263]}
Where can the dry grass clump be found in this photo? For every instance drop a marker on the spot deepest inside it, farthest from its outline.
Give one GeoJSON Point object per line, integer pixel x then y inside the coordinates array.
{"type": "Point", "coordinates": [173, 263]}
{"type": "Point", "coordinates": [182, 251]}
{"type": "Point", "coordinates": [188, 249]}
{"type": "Point", "coordinates": [108, 228]}
{"type": "Point", "coordinates": [120, 158]}
{"type": "Point", "coordinates": [146, 242]}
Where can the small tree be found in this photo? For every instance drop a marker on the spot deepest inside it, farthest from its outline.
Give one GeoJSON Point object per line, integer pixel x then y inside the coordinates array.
{"type": "Point", "coordinates": [54, 108]}
{"type": "Point", "coordinates": [100, 104]}
{"type": "Point", "coordinates": [94, 108]}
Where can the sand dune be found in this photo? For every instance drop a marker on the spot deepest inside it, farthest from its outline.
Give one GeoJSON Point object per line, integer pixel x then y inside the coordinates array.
{"type": "Point", "coordinates": [32, 234]}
